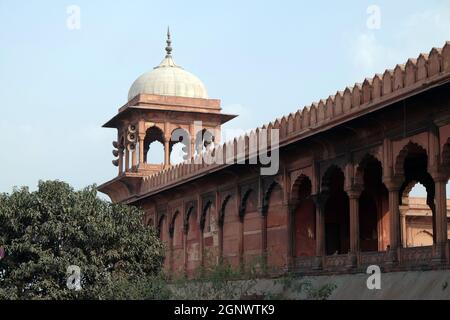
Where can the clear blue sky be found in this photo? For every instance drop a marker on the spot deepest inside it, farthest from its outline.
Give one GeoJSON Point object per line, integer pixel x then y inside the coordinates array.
{"type": "Point", "coordinates": [263, 59]}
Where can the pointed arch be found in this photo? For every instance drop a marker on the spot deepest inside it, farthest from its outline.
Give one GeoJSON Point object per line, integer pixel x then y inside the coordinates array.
{"type": "Point", "coordinates": [304, 218]}
{"type": "Point", "coordinates": [336, 212]}
{"type": "Point", "coordinates": [373, 205]}
{"type": "Point", "coordinates": [153, 135]}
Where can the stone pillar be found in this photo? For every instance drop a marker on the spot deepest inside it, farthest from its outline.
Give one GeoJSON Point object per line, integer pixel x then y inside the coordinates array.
{"type": "Point", "coordinates": [441, 244]}
{"type": "Point", "coordinates": [141, 149]}
{"type": "Point", "coordinates": [354, 221]}
{"type": "Point", "coordinates": [404, 236]}
{"type": "Point", "coordinates": [394, 223]}
{"type": "Point", "coordinates": [320, 201]}
{"type": "Point", "coordinates": [353, 196]}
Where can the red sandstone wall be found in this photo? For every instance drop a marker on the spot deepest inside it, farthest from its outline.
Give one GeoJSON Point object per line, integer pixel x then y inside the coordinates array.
{"type": "Point", "coordinates": [277, 233]}
{"type": "Point", "coordinates": [231, 230]}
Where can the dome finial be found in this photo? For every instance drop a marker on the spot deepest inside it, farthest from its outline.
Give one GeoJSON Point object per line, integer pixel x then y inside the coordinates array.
{"type": "Point", "coordinates": [169, 42]}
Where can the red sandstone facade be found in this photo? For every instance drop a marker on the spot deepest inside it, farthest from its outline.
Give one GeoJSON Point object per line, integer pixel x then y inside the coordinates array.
{"type": "Point", "coordinates": [347, 164]}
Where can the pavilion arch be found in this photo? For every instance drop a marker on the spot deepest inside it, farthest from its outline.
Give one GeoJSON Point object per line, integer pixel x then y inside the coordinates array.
{"type": "Point", "coordinates": [153, 135]}
{"type": "Point", "coordinates": [304, 217]}
{"type": "Point", "coordinates": [336, 212]}
{"type": "Point", "coordinates": [373, 205]}
{"type": "Point", "coordinates": [412, 165]}
{"type": "Point", "coordinates": [180, 141]}
{"type": "Point", "coordinates": [411, 148]}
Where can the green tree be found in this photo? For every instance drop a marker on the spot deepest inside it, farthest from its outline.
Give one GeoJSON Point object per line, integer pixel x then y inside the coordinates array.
{"type": "Point", "coordinates": [44, 232]}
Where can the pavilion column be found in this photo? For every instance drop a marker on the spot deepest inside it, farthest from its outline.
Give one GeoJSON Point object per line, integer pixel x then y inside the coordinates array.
{"type": "Point", "coordinates": [394, 222]}
{"type": "Point", "coordinates": [354, 221]}
{"type": "Point", "coordinates": [141, 149]}
{"type": "Point", "coordinates": [354, 226]}
{"type": "Point", "coordinates": [404, 234]}
{"type": "Point", "coordinates": [441, 244]}
{"type": "Point", "coordinates": [166, 152]}
{"type": "Point", "coordinates": [320, 201]}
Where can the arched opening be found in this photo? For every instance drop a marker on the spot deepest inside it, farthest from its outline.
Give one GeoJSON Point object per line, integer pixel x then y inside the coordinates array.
{"type": "Point", "coordinates": [230, 224]}
{"type": "Point", "coordinates": [416, 216]}
{"type": "Point", "coordinates": [192, 242]}
{"type": "Point", "coordinates": [179, 146]}
{"type": "Point", "coordinates": [252, 236]}
{"type": "Point", "coordinates": [177, 243]}
{"type": "Point", "coordinates": [304, 218]}
{"type": "Point", "coordinates": [373, 206]}
{"type": "Point", "coordinates": [208, 224]}
{"type": "Point", "coordinates": [416, 213]}
{"type": "Point", "coordinates": [154, 146]}
{"type": "Point", "coordinates": [337, 228]}
{"type": "Point", "coordinates": [203, 140]}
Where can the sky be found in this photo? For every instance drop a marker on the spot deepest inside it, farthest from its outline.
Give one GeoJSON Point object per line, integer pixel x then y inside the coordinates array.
{"type": "Point", "coordinates": [60, 83]}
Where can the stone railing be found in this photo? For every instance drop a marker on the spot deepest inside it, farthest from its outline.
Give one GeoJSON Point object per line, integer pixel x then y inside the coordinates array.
{"type": "Point", "coordinates": [416, 256]}
{"type": "Point", "coordinates": [372, 258]}
{"type": "Point", "coordinates": [337, 261]}
{"type": "Point", "coordinates": [383, 89]}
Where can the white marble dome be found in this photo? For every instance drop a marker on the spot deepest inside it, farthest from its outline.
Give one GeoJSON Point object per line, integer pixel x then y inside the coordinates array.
{"type": "Point", "coordinates": [168, 79]}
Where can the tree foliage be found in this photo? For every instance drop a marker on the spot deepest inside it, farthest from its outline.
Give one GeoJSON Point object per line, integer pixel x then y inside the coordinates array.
{"type": "Point", "coordinates": [46, 231]}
